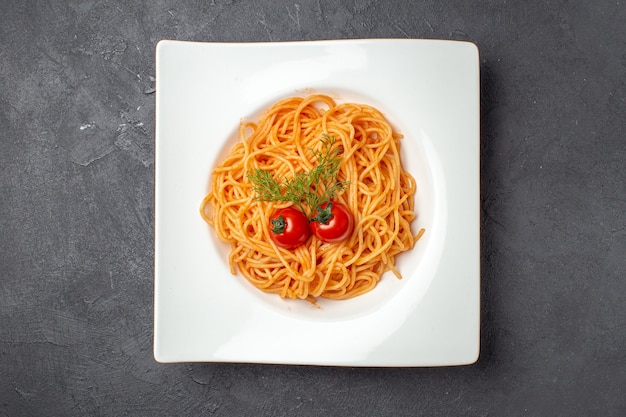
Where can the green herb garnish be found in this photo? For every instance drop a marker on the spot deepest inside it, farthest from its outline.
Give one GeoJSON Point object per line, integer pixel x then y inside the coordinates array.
{"type": "Point", "coordinates": [306, 190]}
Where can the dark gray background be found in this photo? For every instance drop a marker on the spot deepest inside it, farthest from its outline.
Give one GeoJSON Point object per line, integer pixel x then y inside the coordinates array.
{"type": "Point", "coordinates": [77, 212]}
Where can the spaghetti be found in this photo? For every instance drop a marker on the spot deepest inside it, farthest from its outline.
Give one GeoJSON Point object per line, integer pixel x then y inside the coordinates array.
{"type": "Point", "coordinates": [380, 195]}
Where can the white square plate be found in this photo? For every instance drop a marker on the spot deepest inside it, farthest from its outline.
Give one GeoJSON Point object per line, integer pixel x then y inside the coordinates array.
{"type": "Point", "coordinates": [429, 91]}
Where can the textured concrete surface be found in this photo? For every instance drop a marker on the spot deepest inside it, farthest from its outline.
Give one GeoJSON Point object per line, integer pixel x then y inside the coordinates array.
{"type": "Point", "coordinates": [77, 212]}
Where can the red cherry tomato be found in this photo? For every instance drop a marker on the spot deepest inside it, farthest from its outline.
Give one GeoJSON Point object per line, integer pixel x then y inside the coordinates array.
{"type": "Point", "coordinates": [332, 222]}
{"type": "Point", "coordinates": [289, 228]}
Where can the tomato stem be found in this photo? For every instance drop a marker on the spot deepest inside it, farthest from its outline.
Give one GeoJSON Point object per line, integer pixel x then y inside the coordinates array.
{"type": "Point", "coordinates": [324, 214]}
{"type": "Point", "coordinates": [278, 225]}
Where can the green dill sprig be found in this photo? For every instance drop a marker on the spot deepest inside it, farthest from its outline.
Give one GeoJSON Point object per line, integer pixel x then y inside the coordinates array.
{"type": "Point", "coordinates": [306, 190]}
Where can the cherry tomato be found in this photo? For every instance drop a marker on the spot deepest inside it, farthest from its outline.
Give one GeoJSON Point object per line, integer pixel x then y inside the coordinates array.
{"type": "Point", "coordinates": [289, 228]}
{"type": "Point", "coordinates": [332, 222]}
